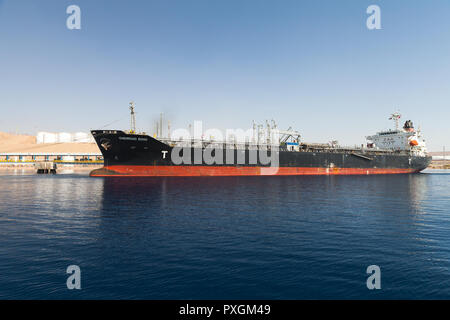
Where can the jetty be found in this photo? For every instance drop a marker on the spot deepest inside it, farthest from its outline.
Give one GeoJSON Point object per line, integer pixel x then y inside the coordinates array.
{"type": "Point", "coordinates": [45, 167]}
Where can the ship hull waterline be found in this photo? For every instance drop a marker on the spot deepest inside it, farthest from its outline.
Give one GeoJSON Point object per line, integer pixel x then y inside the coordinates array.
{"type": "Point", "coordinates": [198, 171]}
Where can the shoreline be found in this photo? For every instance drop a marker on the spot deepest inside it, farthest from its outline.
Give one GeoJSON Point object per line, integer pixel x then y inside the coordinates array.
{"type": "Point", "coordinates": [70, 169]}
{"type": "Point", "coordinates": [30, 169]}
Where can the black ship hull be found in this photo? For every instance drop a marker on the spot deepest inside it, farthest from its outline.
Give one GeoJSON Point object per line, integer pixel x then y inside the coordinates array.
{"type": "Point", "coordinates": [141, 155]}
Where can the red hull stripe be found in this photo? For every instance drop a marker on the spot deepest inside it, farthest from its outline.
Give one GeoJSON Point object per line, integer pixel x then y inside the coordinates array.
{"type": "Point", "coordinates": [193, 171]}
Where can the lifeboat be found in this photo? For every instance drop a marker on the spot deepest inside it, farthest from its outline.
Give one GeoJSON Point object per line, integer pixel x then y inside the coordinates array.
{"type": "Point", "coordinates": [413, 143]}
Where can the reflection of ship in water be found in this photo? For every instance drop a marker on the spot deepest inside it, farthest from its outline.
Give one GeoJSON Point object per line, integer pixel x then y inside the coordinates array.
{"type": "Point", "coordinates": [121, 194]}
{"type": "Point", "coordinates": [405, 190]}
{"type": "Point", "coordinates": [388, 195]}
{"type": "Point", "coordinates": [418, 188]}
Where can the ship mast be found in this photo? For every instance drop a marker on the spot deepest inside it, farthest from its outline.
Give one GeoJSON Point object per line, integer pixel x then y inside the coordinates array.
{"type": "Point", "coordinates": [133, 118]}
{"type": "Point", "coordinates": [396, 117]}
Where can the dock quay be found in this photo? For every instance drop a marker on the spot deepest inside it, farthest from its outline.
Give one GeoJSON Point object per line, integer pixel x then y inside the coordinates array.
{"type": "Point", "coordinates": [45, 167]}
{"type": "Point", "coordinates": [82, 159]}
{"type": "Point", "coordinates": [440, 160]}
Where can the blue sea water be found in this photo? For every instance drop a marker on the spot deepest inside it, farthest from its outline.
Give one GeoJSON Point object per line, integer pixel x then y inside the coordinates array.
{"type": "Point", "coordinates": [225, 237]}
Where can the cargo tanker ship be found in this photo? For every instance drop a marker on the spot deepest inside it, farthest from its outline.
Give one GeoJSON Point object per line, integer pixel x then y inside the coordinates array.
{"type": "Point", "coordinates": [268, 152]}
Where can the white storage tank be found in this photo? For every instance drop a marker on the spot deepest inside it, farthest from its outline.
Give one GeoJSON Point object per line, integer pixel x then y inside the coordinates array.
{"type": "Point", "coordinates": [40, 137]}
{"type": "Point", "coordinates": [64, 137]}
{"type": "Point", "coordinates": [50, 137]}
{"type": "Point", "coordinates": [81, 137]}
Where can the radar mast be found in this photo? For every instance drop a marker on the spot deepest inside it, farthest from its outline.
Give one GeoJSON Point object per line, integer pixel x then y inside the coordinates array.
{"type": "Point", "coordinates": [396, 117]}
{"type": "Point", "coordinates": [133, 118]}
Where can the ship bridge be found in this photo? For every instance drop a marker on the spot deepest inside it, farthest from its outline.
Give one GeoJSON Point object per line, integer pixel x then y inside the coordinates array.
{"type": "Point", "coordinates": [405, 139]}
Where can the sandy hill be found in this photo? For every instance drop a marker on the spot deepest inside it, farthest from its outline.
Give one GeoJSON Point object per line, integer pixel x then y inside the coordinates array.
{"type": "Point", "coordinates": [26, 143]}
{"type": "Point", "coordinates": [8, 138]}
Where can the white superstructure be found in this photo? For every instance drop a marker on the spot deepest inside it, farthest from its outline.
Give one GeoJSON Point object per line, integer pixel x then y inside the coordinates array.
{"type": "Point", "coordinates": [405, 139]}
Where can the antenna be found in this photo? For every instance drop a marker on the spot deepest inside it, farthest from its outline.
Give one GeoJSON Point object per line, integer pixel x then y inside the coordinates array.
{"type": "Point", "coordinates": [274, 124]}
{"type": "Point", "coordinates": [161, 125]}
{"type": "Point", "coordinates": [168, 129]}
{"type": "Point", "coordinates": [396, 117]}
{"type": "Point", "coordinates": [268, 133]}
{"type": "Point", "coordinates": [133, 118]}
{"type": "Point", "coordinates": [260, 133]}
{"type": "Point", "coordinates": [254, 132]}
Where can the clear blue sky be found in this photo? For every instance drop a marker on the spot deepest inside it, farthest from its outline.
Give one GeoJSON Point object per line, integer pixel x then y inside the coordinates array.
{"type": "Point", "coordinates": [310, 64]}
